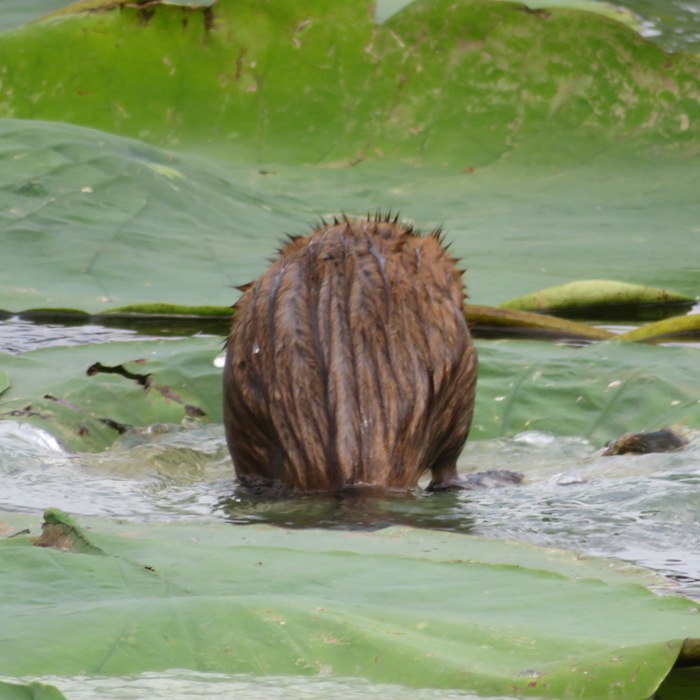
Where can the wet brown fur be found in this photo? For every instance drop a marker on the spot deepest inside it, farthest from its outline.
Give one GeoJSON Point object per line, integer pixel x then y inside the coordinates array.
{"type": "Point", "coordinates": [350, 363]}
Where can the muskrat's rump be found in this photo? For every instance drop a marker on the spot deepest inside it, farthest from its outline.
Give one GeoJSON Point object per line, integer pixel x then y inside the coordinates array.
{"type": "Point", "coordinates": [350, 363]}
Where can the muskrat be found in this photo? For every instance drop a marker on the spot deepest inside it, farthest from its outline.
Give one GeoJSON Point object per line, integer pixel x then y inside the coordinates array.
{"type": "Point", "coordinates": [350, 363]}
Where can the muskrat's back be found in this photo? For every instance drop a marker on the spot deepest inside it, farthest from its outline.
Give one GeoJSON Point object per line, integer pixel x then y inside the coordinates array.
{"type": "Point", "coordinates": [350, 363]}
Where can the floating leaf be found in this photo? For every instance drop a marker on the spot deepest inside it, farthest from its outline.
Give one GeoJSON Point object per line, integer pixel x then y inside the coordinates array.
{"type": "Point", "coordinates": [594, 294]}
{"type": "Point", "coordinates": [600, 391]}
{"type": "Point", "coordinates": [30, 691]}
{"type": "Point", "coordinates": [546, 159]}
{"type": "Point", "coordinates": [107, 231]}
{"type": "Point", "coordinates": [168, 311]}
{"type": "Point", "coordinates": [489, 317]}
{"type": "Point", "coordinates": [417, 608]}
{"type": "Point", "coordinates": [103, 391]}
{"type": "Point", "coordinates": [668, 329]}
{"type": "Point", "coordinates": [438, 81]}
{"type": "Point", "coordinates": [89, 225]}
{"type": "Point", "coordinates": [60, 531]}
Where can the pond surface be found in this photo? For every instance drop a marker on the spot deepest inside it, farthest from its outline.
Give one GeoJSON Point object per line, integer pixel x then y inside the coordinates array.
{"type": "Point", "coordinates": [194, 686]}
{"type": "Point", "coordinates": [640, 508]}
{"type": "Point", "coordinates": [644, 509]}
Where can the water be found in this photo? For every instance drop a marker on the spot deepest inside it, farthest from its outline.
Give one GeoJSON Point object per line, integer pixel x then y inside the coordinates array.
{"type": "Point", "coordinates": [674, 24]}
{"type": "Point", "coordinates": [644, 509]}
{"type": "Point", "coordinates": [19, 335]}
{"type": "Point", "coordinates": [640, 508]}
{"type": "Point", "coordinates": [193, 685]}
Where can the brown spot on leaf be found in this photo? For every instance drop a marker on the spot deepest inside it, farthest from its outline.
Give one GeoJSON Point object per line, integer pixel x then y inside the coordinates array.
{"type": "Point", "coordinates": [19, 533]}
{"type": "Point", "coordinates": [146, 382]}
{"type": "Point", "coordinates": [208, 19]}
{"type": "Point", "coordinates": [26, 412]}
{"type": "Point", "coordinates": [63, 402]}
{"type": "Point", "coordinates": [167, 393]}
{"type": "Point", "coordinates": [121, 428]}
{"type": "Point", "coordinates": [54, 536]}
{"type": "Point", "coordinates": [146, 12]}
{"type": "Point", "coordinates": [98, 368]}
{"type": "Point", "coordinates": [194, 412]}
{"type": "Point", "coordinates": [537, 12]}
{"type": "Point", "coordinates": [60, 531]}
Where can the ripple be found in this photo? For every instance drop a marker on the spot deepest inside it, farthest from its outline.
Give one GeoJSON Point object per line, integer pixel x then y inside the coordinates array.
{"type": "Point", "coordinates": [188, 685]}
{"type": "Point", "coordinates": [639, 508]}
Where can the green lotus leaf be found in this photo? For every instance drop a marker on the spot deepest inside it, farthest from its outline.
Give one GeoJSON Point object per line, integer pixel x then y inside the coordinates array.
{"type": "Point", "coordinates": [30, 691]}
{"type": "Point", "coordinates": [90, 222]}
{"type": "Point", "coordinates": [676, 327]}
{"type": "Point", "coordinates": [482, 317]}
{"type": "Point", "coordinates": [544, 151]}
{"type": "Point", "coordinates": [552, 144]}
{"type": "Point", "coordinates": [93, 222]}
{"type": "Point", "coordinates": [322, 82]}
{"type": "Point", "coordinates": [503, 318]}
{"type": "Point", "coordinates": [60, 531]}
{"type": "Point", "coordinates": [595, 293]}
{"type": "Point", "coordinates": [88, 396]}
{"type": "Point", "coordinates": [598, 392]}
{"type": "Point", "coordinates": [417, 608]}
{"type": "Point", "coordinates": [169, 310]}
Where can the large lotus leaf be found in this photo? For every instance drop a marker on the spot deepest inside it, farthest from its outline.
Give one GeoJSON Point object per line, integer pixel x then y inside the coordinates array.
{"type": "Point", "coordinates": [30, 691]}
{"type": "Point", "coordinates": [417, 608]}
{"type": "Point", "coordinates": [594, 293]}
{"type": "Point", "coordinates": [668, 329]}
{"type": "Point", "coordinates": [459, 83]}
{"type": "Point", "coordinates": [599, 392]}
{"type": "Point", "coordinates": [91, 221]}
{"type": "Point", "coordinates": [484, 318]}
{"type": "Point", "coordinates": [87, 396]}
{"type": "Point", "coordinates": [670, 23]}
